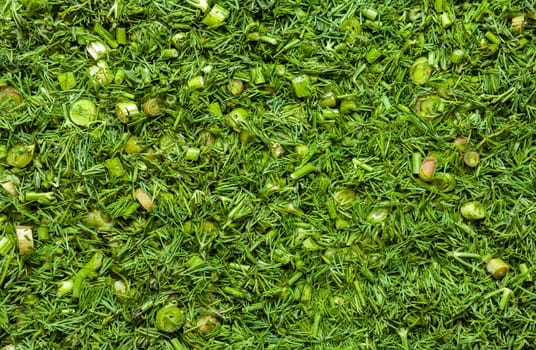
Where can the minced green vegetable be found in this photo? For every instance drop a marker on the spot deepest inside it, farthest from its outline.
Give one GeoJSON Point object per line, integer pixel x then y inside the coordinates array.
{"type": "Point", "coordinates": [266, 174]}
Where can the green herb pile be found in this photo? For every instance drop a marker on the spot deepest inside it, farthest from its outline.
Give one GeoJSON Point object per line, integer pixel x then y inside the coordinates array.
{"type": "Point", "coordinates": [267, 174]}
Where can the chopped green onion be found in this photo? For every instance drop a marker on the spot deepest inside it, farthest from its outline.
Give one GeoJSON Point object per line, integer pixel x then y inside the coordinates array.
{"type": "Point", "coordinates": [328, 100]}
{"type": "Point", "coordinates": [207, 323]}
{"type": "Point", "coordinates": [344, 197]}
{"type": "Point", "coordinates": [237, 118]}
{"type": "Point", "coordinates": [351, 25]}
{"type": "Point", "coordinates": [497, 268]}
{"type": "Point", "coordinates": [302, 171]}
{"type": "Point", "coordinates": [97, 50]}
{"type": "Point", "coordinates": [42, 198]}
{"type": "Point", "coordinates": [106, 35]}
{"type": "Point", "coordinates": [42, 233]}
{"type": "Point", "coordinates": [420, 71]}
{"type": "Point", "coordinates": [427, 169]}
{"type": "Point", "coordinates": [153, 107]}
{"type": "Point", "coordinates": [268, 39]}
{"type": "Point", "coordinates": [216, 17]}
{"type": "Point", "coordinates": [99, 220]}
{"type": "Point", "coordinates": [5, 246]}
{"type": "Point", "coordinates": [132, 145]}
{"type": "Point", "coordinates": [444, 182]}
{"type": "Point", "coordinates": [179, 39]}
{"type": "Point", "coordinates": [524, 270]}
{"type": "Point", "coordinates": [193, 153]}
{"type": "Point", "coordinates": [494, 39]}
{"type": "Point", "coordinates": [115, 167]}
{"type": "Point", "coordinates": [119, 76]}
{"type": "Point", "coordinates": [257, 76]}
{"type": "Point", "coordinates": [235, 87]}
{"type": "Point", "coordinates": [518, 24]}
{"type": "Point", "coordinates": [445, 19]}
{"type": "Point", "coordinates": [214, 109]}
{"type": "Point", "coordinates": [377, 215]}
{"type": "Point", "coordinates": [145, 201]}
{"type": "Point", "coordinates": [65, 288]}
{"type": "Point", "coordinates": [121, 35]}
{"type": "Point", "coordinates": [370, 13]}
{"type": "Point", "coordinates": [125, 110]}
{"type": "Point", "coordinates": [348, 107]}
{"type": "Point", "coordinates": [473, 211]}
{"type": "Point", "coordinates": [19, 156]}
{"type": "Point", "coordinates": [83, 112]}
{"type": "Point", "coordinates": [169, 319]}
{"type": "Point", "coordinates": [457, 56]}
{"type": "Point", "coordinates": [429, 106]}
{"type": "Point", "coordinates": [10, 97]}
{"type": "Point", "coordinates": [416, 160]}
{"type": "Point", "coordinates": [101, 74]}
{"type": "Point", "coordinates": [200, 4]}
{"type": "Point", "coordinates": [25, 241]}
{"type": "Point", "coordinates": [471, 159]}
{"type": "Point", "coordinates": [507, 293]}
{"type": "Point", "coordinates": [196, 83]}
{"type": "Point", "coordinates": [301, 150]}
{"type": "Point", "coordinates": [66, 80]}
{"type": "Point", "coordinates": [302, 86]}
{"type": "Point", "coordinates": [169, 54]}
{"type": "Point", "coordinates": [373, 55]}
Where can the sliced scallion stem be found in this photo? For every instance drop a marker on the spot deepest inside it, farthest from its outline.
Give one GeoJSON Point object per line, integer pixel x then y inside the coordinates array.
{"type": "Point", "coordinates": [66, 80]}
{"type": "Point", "coordinates": [121, 35]}
{"type": "Point", "coordinates": [126, 110]}
{"type": "Point", "coordinates": [302, 171]}
{"type": "Point", "coordinates": [97, 50]}
{"type": "Point", "coordinates": [83, 112]}
{"type": "Point", "coordinates": [427, 169]}
{"type": "Point", "coordinates": [302, 86]}
{"type": "Point", "coordinates": [196, 83]}
{"type": "Point", "coordinates": [420, 71]}
{"type": "Point", "coordinates": [497, 268]}
{"type": "Point", "coordinates": [105, 35]}
{"type": "Point", "coordinates": [471, 159]}
{"type": "Point", "coordinates": [473, 210]}
{"type": "Point", "coordinates": [25, 241]}
{"type": "Point", "coordinates": [19, 156]}
{"type": "Point", "coordinates": [143, 198]}
{"type": "Point", "coordinates": [216, 17]}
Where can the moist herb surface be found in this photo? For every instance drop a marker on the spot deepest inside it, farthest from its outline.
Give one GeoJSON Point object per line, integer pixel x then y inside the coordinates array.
{"type": "Point", "coordinates": [267, 174]}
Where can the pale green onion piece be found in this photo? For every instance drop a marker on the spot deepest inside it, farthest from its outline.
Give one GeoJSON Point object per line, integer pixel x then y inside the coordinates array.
{"type": "Point", "coordinates": [473, 211]}
{"type": "Point", "coordinates": [196, 83]}
{"type": "Point", "coordinates": [25, 241]}
{"type": "Point", "coordinates": [97, 50]}
{"type": "Point", "coordinates": [302, 86]}
{"type": "Point", "coordinates": [344, 197]}
{"type": "Point", "coordinates": [497, 268]}
{"type": "Point", "coordinates": [236, 118]}
{"type": "Point", "coordinates": [471, 159]}
{"type": "Point", "coordinates": [377, 215]}
{"type": "Point", "coordinates": [101, 73]}
{"type": "Point", "coordinates": [302, 171]}
{"type": "Point", "coordinates": [169, 319]}
{"type": "Point", "coordinates": [216, 17]}
{"type": "Point", "coordinates": [429, 106]}
{"type": "Point", "coordinates": [193, 153]}
{"type": "Point", "coordinates": [145, 201]}
{"type": "Point", "coordinates": [83, 112]}
{"type": "Point", "coordinates": [420, 71]}
{"type": "Point", "coordinates": [66, 80]}
{"type": "Point", "coordinates": [19, 156]}
{"type": "Point", "coordinates": [115, 167]}
{"type": "Point", "coordinates": [125, 110]}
